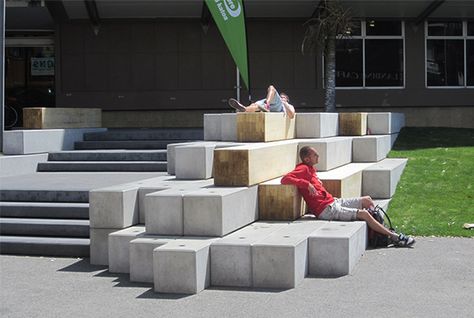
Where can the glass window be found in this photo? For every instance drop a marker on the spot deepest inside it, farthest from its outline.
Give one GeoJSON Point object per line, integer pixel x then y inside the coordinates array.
{"type": "Point", "coordinates": [353, 30]}
{"type": "Point", "coordinates": [445, 62]}
{"type": "Point", "coordinates": [349, 63]}
{"type": "Point", "coordinates": [470, 62]}
{"type": "Point", "coordinates": [384, 62]}
{"type": "Point", "coordinates": [438, 28]}
{"type": "Point", "coordinates": [470, 28]}
{"type": "Point", "coordinates": [376, 27]}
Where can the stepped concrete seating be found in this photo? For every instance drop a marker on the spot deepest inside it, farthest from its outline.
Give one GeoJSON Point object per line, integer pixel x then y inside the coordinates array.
{"type": "Point", "coordinates": [251, 164]}
{"type": "Point", "coordinates": [333, 152]}
{"type": "Point", "coordinates": [317, 125]}
{"type": "Point", "coordinates": [171, 153]}
{"type": "Point", "coordinates": [385, 123]}
{"type": "Point", "coordinates": [194, 161]}
{"type": "Point", "coordinates": [118, 248]}
{"type": "Point", "coordinates": [380, 180]}
{"type": "Point", "coordinates": [370, 148]}
{"type": "Point", "coordinates": [182, 266]}
{"type": "Point", "coordinates": [99, 246]}
{"type": "Point", "coordinates": [215, 211]}
{"type": "Point", "coordinates": [352, 124]}
{"type": "Point", "coordinates": [229, 127]}
{"type": "Point", "coordinates": [141, 256]}
{"type": "Point", "coordinates": [345, 181]}
{"type": "Point", "coordinates": [57, 117]}
{"type": "Point", "coordinates": [264, 127]}
{"type": "Point", "coordinates": [212, 127]}
{"type": "Point", "coordinates": [277, 201]}
{"type": "Point", "coordinates": [280, 260]}
{"type": "Point", "coordinates": [335, 248]}
{"type": "Point", "coordinates": [231, 256]}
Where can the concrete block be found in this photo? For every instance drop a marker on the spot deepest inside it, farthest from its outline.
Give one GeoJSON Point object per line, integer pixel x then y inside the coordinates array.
{"type": "Point", "coordinates": [164, 212]}
{"type": "Point", "coordinates": [141, 256]}
{"type": "Point", "coordinates": [182, 266]}
{"type": "Point", "coordinates": [229, 127]}
{"type": "Point", "coordinates": [251, 164]}
{"type": "Point", "coordinates": [212, 127]}
{"type": "Point", "coordinates": [370, 148]}
{"type": "Point", "coordinates": [119, 241]}
{"type": "Point", "coordinates": [317, 125]}
{"type": "Point", "coordinates": [171, 154]}
{"type": "Point", "coordinates": [215, 211]}
{"type": "Point", "coordinates": [20, 164]}
{"type": "Point", "coordinates": [385, 123]}
{"type": "Point", "coordinates": [335, 249]}
{"type": "Point", "coordinates": [194, 161]}
{"type": "Point", "coordinates": [99, 246]}
{"type": "Point", "coordinates": [380, 180]}
{"type": "Point", "coordinates": [278, 201]}
{"type": "Point", "coordinates": [281, 259]}
{"type": "Point", "coordinates": [345, 181]}
{"type": "Point", "coordinates": [352, 124]}
{"type": "Point", "coordinates": [58, 117]}
{"type": "Point", "coordinates": [264, 127]}
{"type": "Point", "coordinates": [21, 142]}
{"type": "Point", "coordinates": [114, 207]}
{"type": "Point", "coordinates": [231, 256]}
{"type": "Point", "coordinates": [333, 152]}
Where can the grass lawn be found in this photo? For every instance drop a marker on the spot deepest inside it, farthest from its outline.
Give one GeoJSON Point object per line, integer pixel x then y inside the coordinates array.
{"type": "Point", "coordinates": [435, 195]}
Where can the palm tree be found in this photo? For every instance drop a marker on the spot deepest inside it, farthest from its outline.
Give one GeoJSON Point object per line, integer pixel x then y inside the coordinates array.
{"type": "Point", "coordinates": [329, 21]}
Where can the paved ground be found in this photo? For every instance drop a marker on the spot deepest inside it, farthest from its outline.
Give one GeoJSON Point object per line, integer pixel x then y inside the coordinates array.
{"type": "Point", "coordinates": [434, 279]}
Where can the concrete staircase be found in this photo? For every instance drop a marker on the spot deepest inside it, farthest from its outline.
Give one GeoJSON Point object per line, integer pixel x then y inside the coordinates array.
{"type": "Point", "coordinates": [39, 217]}
{"type": "Point", "coordinates": [187, 233]}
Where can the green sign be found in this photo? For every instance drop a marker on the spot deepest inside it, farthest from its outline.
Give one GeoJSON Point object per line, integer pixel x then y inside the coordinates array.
{"type": "Point", "coordinates": [230, 19]}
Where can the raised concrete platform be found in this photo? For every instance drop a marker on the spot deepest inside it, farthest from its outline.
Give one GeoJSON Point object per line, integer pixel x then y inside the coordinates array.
{"type": "Point", "coordinates": [119, 241]}
{"type": "Point", "coordinates": [182, 266]}
{"type": "Point", "coordinates": [16, 165]}
{"type": "Point", "coordinates": [141, 256]}
{"type": "Point", "coordinates": [333, 152]}
{"type": "Point", "coordinates": [352, 124]}
{"type": "Point", "coordinates": [216, 211]}
{"type": "Point", "coordinates": [280, 260]}
{"type": "Point", "coordinates": [251, 164]}
{"type": "Point", "coordinates": [385, 123]}
{"type": "Point", "coordinates": [264, 127]}
{"type": "Point", "coordinates": [277, 201]}
{"type": "Point", "coordinates": [21, 142]}
{"type": "Point", "coordinates": [317, 125]}
{"type": "Point", "coordinates": [58, 117]}
{"type": "Point", "coordinates": [212, 127]}
{"type": "Point", "coordinates": [335, 248]}
{"type": "Point", "coordinates": [231, 256]}
{"type": "Point", "coordinates": [345, 181]}
{"type": "Point", "coordinates": [229, 127]}
{"type": "Point", "coordinates": [371, 148]}
{"type": "Point", "coordinates": [380, 180]}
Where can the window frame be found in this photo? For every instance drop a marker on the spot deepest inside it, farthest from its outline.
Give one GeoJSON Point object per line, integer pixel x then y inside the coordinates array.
{"type": "Point", "coordinates": [465, 37]}
{"type": "Point", "coordinates": [363, 36]}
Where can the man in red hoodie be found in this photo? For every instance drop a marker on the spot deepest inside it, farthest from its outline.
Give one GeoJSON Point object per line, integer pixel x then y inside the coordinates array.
{"type": "Point", "coordinates": [326, 207]}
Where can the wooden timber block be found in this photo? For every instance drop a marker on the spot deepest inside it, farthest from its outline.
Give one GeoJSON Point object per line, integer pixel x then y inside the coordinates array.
{"type": "Point", "coordinates": [265, 127]}
{"type": "Point", "coordinates": [278, 201]}
{"type": "Point", "coordinates": [51, 117]}
{"type": "Point", "coordinates": [352, 124]}
{"type": "Point", "coordinates": [250, 164]}
{"type": "Point", "coordinates": [344, 182]}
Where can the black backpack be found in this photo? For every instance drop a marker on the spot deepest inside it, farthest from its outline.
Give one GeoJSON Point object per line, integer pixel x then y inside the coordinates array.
{"type": "Point", "coordinates": [377, 239]}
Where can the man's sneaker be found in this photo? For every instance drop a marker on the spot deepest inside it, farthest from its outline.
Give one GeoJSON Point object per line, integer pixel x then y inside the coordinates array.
{"type": "Point", "coordinates": [263, 108]}
{"type": "Point", "coordinates": [404, 241]}
{"type": "Point", "coordinates": [236, 105]}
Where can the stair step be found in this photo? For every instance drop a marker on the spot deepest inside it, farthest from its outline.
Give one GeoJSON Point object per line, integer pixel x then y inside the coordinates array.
{"type": "Point", "coordinates": [124, 144]}
{"type": "Point", "coordinates": [44, 246]}
{"type": "Point", "coordinates": [44, 227]}
{"type": "Point", "coordinates": [108, 155]}
{"type": "Point", "coordinates": [146, 134]}
{"type": "Point", "coordinates": [102, 166]}
{"type": "Point", "coordinates": [44, 196]}
{"type": "Point", "coordinates": [58, 210]}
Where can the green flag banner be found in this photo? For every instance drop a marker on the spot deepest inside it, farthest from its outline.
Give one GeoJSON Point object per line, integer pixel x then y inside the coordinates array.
{"type": "Point", "coordinates": [230, 19]}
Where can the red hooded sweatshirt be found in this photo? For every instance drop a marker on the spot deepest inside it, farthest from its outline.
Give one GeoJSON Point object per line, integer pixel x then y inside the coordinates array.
{"type": "Point", "coordinates": [301, 177]}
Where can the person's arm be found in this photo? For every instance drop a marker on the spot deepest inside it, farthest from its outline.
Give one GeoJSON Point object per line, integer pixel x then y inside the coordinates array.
{"type": "Point", "coordinates": [290, 110]}
{"type": "Point", "coordinates": [299, 177]}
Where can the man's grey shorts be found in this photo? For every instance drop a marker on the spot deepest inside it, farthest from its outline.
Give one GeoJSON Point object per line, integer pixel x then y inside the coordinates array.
{"type": "Point", "coordinates": [342, 210]}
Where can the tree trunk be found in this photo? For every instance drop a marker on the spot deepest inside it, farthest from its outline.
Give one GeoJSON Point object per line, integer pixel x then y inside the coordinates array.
{"type": "Point", "coordinates": [330, 75]}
